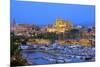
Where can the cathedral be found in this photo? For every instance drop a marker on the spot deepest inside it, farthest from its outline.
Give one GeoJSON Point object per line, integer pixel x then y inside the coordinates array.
{"type": "Point", "coordinates": [60, 26]}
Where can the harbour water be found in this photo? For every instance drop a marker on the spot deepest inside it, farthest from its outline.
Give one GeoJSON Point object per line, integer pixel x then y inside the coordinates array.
{"type": "Point", "coordinates": [42, 54]}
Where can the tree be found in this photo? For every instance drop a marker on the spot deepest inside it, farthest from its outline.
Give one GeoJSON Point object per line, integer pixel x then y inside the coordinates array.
{"type": "Point", "coordinates": [16, 58]}
{"type": "Point", "coordinates": [72, 34]}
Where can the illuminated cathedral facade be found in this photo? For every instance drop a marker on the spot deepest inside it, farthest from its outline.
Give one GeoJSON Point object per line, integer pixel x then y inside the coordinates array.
{"type": "Point", "coordinates": [60, 26]}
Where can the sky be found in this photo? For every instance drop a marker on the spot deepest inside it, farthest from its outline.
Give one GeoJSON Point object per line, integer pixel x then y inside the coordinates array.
{"type": "Point", "coordinates": [46, 13]}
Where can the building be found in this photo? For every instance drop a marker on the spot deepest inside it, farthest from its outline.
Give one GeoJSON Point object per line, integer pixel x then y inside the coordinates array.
{"type": "Point", "coordinates": [21, 29]}
{"type": "Point", "coordinates": [60, 26]}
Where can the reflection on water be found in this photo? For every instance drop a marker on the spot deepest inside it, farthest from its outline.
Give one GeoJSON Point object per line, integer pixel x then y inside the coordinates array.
{"type": "Point", "coordinates": [52, 54]}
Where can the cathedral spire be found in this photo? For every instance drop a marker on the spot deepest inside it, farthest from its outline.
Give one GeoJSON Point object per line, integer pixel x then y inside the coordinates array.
{"type": "Point", "coordinates": [58, 18]}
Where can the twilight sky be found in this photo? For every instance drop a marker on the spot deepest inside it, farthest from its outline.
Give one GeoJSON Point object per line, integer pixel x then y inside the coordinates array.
{"type": "Point", "coordinates": [46, 13]}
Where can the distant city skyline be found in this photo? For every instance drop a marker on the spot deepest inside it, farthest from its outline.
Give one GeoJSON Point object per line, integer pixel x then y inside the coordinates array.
{"type": "Point", "coordinates": [46, 13]}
